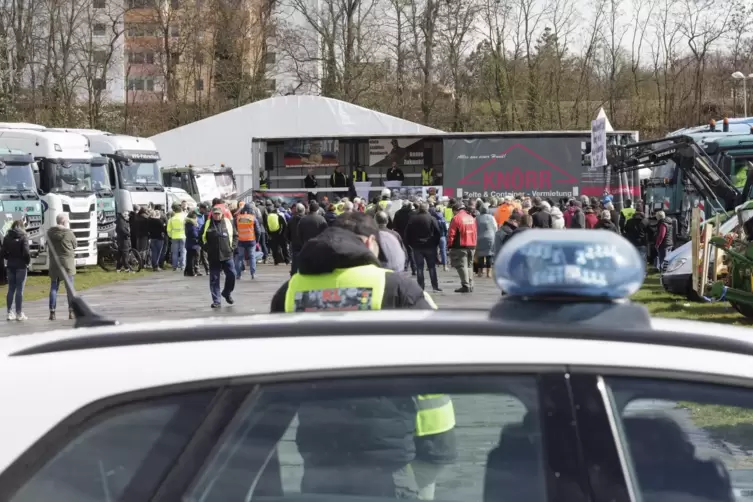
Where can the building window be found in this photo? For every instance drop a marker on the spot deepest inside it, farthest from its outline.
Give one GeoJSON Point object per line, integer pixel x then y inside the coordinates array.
{"type": "Point", "coordinates": [99, 57]}
{"type": "Point", "coordinates": [99, 4]}
{"type": "Point", "coordinates": [270, 58]}
{"type": "Point", "coordinates": [199, 59]}
{"type": "Point", "coordinates": [141, 84]}
{"type": "Point", "coordinates": [138, 4]}
{"type": "Point", "coordinates": [199, 84]}
{"type": "Point", "coordinates": [99, 84]}
{"type": "Point", "coordinates": [99, 30]}
{"type": "Point", "coordinates": [271, 31]}
{"type": "Point", "coordinates": [136, 57]}
{"type": "Point", "coordinates": [175, 4]}
{"type": "Point", "coordinates": [271, 84]}
{"type": "Point", "coordinates": [175, 57]}
{"type": "Point", "coordinates": [175, 31]}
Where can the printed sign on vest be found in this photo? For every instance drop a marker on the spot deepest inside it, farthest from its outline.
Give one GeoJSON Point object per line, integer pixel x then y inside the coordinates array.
{"type": "Point", "coordinates": [334, 299]}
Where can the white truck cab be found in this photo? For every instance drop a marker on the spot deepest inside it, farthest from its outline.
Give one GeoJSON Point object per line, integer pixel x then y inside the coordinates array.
{"type": "Point", "coordinates": [133, 168]}
{"type": "Point", "coordinates": [64, 180]}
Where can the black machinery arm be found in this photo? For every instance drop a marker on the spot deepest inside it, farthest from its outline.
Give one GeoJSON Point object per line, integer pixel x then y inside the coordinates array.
{"type": "Point", "coordinates": [707, 178]}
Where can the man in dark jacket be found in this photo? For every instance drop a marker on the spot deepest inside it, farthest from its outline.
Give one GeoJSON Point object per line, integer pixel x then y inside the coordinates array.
{"type": "Point", "coordinates": [353, 446]}
{"type": "Point", "coordinates": [665, 237]}
{"type": "Point", "coordinates": [636, 231]}
{"type": "Point", "coordinates": [422, 236]}
{"type": "Point", "coordinates": [220, 240]}
{"type": "Point", "coordinates": [123, 240]}
{"type": "Point", "coordinates": [400, 224]}
{"type": "Point", "coordinates": [311, 225]}
{"type": "Point", "coordinates": [62, 239]}
{"type": "Point", "coordinates": [294, 236]}
{"type": "Point", "coordinates": [541, 216]}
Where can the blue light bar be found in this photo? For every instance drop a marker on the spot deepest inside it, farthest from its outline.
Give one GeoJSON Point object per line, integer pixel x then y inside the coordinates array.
{"type": "Point", "coordinates": [574, 263]}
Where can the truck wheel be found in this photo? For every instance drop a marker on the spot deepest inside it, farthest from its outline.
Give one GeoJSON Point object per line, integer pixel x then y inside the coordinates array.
{"type": "Point", "coordinates": [746, 310]}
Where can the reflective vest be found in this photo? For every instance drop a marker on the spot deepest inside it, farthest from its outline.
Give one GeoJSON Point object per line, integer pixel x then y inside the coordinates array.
{"type": "Point", "coordinates": [383, 204]}
{"type": "Point", "coordinates": [273, 222]}
{"type": "Point", "coordinates": [435, 414]}
{"type": "Point", "coordinates": [627, 212]}
{"type": "Point", "coordinates": [339, 208]}
{"type": "Point", "coordinates": [228, 226]}
{"type": "Point", "coordinates": [427, 176]}
{"type": "Point", "coordinates": [357, 288]}
{"type": "Point", "coordinates": [176, 227]}
{"type": "Point", "coordinates": [448, 214]}
{"type": "Point", "coordinates": [245, 224]}
{"type": "Point", "coordinates": [359, 174]}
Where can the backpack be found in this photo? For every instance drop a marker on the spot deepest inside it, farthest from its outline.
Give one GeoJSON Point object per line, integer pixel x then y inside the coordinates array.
{"type": "Point", "coordinates": [273, 222]}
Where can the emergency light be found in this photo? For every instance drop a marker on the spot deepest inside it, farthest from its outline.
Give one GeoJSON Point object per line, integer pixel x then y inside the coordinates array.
{"type": "Point", "coordinates": [574, 263]}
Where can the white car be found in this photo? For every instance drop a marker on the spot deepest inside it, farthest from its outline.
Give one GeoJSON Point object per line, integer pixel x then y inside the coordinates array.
{"type": "Point", "coordinates": [322, 406]}
{"type": "Point", "coordinates": [178, 195]}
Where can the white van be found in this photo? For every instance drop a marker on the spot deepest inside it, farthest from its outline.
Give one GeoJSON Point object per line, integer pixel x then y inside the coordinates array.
{"type": "Point", "coordinates": [677, 269]}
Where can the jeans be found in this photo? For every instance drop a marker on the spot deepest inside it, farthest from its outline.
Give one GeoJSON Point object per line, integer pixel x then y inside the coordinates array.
{"type": "Point", "coordinates": [16, 282]}
{"type": "Point", "coordinates": [192, 257]}
{"type": "Point", "coordinates": [410, 259]}
{"type": "Point", "coordinates": [443, 250]}
{"type": "Point", "coordinates": [214, 279]}
{"type": "Point", "coordinates": [643, 251]}
{"type": "Point", "coordinates": [155, 246]}
{"type": "Point", "coordinates": [428, 256]}
{"type": "Point", "coordinates": [246, 252]}
{"type": "Point", "coordinates": [661, 254]}
{"type": "Point", "coordinates": [263, 245]}
{"type": "Point", "coordinates": [294, 261]}
{"type": "Point", "coordinates": [178, 248]}
{"type": "Point", "coordinates": [54, 287]}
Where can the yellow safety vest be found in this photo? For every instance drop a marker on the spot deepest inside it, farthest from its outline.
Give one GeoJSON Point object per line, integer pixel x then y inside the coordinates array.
{"type": "Point", "coordinates": [339, 208]}
{"type": "Point", "coordinates": [273, 222]}
{"type": "Point", "coordinates": [357, 288]}
{"type": "Point", "coordinates": [383, 204]}
{"type": "Point", "coordinates": [435, 414]}
{"type": "Point", "coordinates": [176, 227]}
{"type": "Point", "coordinates": [627, 212]}
{"type": "Point", "coordinates": [448, 214]}
{"type": "Point", "coordinates": [359, 174]}
{"type": "Point", "coordinates": [427, 177]}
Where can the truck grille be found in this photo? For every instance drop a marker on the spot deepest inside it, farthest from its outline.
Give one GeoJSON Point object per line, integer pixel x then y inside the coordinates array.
{"type": "Point", "coordinates": [79, 225]}
{"type": "Point", "coordinates": [78, 216]}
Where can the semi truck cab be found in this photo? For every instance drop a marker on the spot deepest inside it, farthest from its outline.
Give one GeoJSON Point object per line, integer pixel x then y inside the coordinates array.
{"type": "Point", "coordinates": [18, 195]}
{"type": "Point", "coordinates": [63, 178]}
{"type": "Point", "coordinates": [203, 183]}
{"type": "Point", "coordinates": [133, 166]}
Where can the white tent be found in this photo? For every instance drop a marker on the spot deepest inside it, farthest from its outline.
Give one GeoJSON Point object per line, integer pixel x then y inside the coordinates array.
{"type": "Point", "coordinates": [226, 138]}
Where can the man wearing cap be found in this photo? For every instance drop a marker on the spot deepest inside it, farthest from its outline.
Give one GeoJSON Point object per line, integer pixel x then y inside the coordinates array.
{"type": "Point", "coordinates": [220, 240]}
{"type": "Point", "coordinates": [461, 240]}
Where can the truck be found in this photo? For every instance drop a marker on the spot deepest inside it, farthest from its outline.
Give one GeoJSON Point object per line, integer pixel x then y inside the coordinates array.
{"type": "Point", "coordinates": [133, 167]}
{"type": "Point", "coordinates": [63, 178]}
{"type": "Point", "coordinates": [203, 183]}
{"type": "Point", "coordinates": [19, 197]}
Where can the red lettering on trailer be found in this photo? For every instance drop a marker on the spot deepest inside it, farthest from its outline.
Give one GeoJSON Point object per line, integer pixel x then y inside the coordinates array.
{"type": "Point", "coordinates": [517, 179]}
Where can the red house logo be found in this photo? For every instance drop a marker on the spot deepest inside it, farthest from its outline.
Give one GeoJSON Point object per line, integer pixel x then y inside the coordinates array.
{"type": "Point", "coordinates": [518, 178]}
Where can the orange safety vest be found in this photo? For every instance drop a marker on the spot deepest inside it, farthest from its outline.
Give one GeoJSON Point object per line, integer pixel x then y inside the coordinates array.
{"type": "Point", "coordinates": [245, 223]}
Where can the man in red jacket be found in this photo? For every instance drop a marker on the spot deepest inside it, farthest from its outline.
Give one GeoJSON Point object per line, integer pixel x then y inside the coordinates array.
{"type": "Point", "coordinates": [461, 240]}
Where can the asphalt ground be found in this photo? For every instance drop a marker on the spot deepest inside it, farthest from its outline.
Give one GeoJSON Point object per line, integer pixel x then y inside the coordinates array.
{"type": "Point", "coordinates": [170, 295]}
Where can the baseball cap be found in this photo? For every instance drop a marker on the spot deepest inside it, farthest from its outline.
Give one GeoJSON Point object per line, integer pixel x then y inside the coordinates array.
{"type": "Point", "coordinates": [216, 210]}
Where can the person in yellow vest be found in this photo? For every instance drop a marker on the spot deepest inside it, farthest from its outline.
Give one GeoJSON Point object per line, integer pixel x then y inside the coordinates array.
{"type": "Point", "coordinates": [427, 176]}
{"type": "Point", "coordinates": [370, 455]}
{"type": "Point", "coordinates": [245, 254]}
{"type": "Point", "coordinates": [360, 175]}
{"type": "Point", "coordinates": [436, 444]}
{"type": "Point", "coordinates": [263, 182]}
{"type": "Point", "coordinates": [626, 213]}
{"type": "Point", "coordinates": [176, 232]}
{"type": "Point", "coordinates": [276, 227]}
{"type": "Point", "coordinates": [448, 213]}
{"type": "Point", "coordinates": [219, 239]}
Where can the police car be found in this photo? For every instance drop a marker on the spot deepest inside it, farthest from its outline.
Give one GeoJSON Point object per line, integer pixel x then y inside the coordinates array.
{"type": "Point", "coordinates": [590, 400]}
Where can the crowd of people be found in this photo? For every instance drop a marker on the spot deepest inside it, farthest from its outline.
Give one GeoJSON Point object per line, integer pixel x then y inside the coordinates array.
{"type": "Point", "coordinates": [416, 234]}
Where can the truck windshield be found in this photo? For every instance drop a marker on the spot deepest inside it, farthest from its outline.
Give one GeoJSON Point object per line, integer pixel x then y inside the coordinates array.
{"type": "Point", "coordinates": [226, 185]}
{"type": "Point", "coordinates": [17, 177]}
{"type": "Point", "coordinates": [101, 180]}
{"type": "Point", "coordinates": [664, 171]}
{"type": "Point", "coordinates": [71, 176]}
{"type": "Point", "coordinates": [140, 173]}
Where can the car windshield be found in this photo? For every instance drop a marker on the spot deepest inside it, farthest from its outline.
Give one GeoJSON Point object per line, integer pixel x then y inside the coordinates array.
{"type": "Point", "coordinates": [71, 176]}
{"type": "Point", "coordinates": [140, 173]}
{"type": "Point", "coordinates": [15, 177]}
{"type": "Point", "coordinates": [226, 185]}
{"type": "Point", "coordinates": [664, 171]}
{"type": "Point", "coordinates": [100, 177]}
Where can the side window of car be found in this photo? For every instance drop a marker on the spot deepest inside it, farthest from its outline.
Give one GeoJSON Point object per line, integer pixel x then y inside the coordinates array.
{"type": "Point", "coordinates": [119, 454]}
{"type": "Point", "coordinates": [684, 440]}
{"type": "Point", "coordinates": [461, 438]}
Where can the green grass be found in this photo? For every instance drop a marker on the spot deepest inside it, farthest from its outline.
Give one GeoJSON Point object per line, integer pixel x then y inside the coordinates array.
{"type": "Point", "coordinates": [38, 286]}
{"type": "Point", "coordinates": [662, 304]}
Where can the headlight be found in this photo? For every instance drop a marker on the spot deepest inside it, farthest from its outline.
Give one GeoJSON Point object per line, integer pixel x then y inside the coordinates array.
{"type": "Point", "coordinates": [675, 264]}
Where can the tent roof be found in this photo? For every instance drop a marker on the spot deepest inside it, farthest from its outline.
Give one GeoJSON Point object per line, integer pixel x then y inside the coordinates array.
{"type": "Point", "coordinates": [301, 117]}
